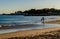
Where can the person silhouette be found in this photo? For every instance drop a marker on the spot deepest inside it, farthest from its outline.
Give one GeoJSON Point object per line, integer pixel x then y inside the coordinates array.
{"type": "Point", "coordinates": [42, 20]}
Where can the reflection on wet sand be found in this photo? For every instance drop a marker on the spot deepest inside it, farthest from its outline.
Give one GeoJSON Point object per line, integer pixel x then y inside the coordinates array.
{"type": "Point", "coordinates": [48, 33]}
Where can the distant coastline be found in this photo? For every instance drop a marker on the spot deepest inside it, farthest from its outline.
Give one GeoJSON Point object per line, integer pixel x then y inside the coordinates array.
{"type": "Point", "coordinates": [37, 12]}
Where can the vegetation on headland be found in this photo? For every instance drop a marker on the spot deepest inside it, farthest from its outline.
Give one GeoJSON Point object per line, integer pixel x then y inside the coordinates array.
{"type": "Point", "coordinates": [38, 12]}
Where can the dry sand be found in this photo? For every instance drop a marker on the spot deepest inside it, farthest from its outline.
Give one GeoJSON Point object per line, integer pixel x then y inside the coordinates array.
{"type": "Point", "coordinates": [28, 33]}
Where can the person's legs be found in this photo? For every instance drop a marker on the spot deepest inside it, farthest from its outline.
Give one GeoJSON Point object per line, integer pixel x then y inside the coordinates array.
{"type": "Point", "coordinates": [43, 23]}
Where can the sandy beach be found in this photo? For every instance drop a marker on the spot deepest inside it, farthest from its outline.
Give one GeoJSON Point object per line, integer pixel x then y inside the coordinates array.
{"type": "Point", "coordinates": [29, 33]}
{"type": "Point", "coordinates": [46, 33]}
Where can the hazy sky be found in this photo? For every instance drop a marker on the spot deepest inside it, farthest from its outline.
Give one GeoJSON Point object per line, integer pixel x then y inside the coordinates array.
{"type": "Point", "coordinates": [8, 6]}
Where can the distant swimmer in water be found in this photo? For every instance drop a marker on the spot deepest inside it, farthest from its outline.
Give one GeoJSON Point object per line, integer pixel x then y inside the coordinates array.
{"type": "Point", "coordinates": [42, 20]}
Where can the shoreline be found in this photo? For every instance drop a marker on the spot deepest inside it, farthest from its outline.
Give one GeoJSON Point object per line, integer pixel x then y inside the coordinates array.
{"type": "Point", "coordinates": [28, 32]}
{"type": "Point", "coordinates": [53, 22]}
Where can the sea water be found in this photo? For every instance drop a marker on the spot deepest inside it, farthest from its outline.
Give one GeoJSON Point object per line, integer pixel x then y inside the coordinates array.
{"type": "Point", "coordinates": [21, 20]}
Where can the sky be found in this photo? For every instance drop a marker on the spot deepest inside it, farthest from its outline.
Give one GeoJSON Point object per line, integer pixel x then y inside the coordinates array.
{"type": "Point", "coordinates": [10, 6]}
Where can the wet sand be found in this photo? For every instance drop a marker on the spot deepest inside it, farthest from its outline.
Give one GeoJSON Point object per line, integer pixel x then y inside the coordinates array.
{"type": "Point", "coordinates": [53, 22]}
{"type": "Point", "coordinates": [29, 33]}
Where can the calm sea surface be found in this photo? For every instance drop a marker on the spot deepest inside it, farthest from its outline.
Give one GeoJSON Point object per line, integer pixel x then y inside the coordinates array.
{"type": "Point", "coordinates": [21, 20]}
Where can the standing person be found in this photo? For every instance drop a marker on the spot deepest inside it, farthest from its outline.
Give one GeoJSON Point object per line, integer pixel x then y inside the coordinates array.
{"type": "Point", "coordinates": [42, 20]}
